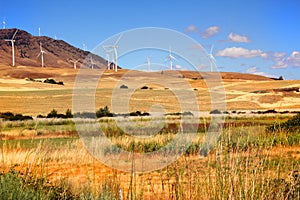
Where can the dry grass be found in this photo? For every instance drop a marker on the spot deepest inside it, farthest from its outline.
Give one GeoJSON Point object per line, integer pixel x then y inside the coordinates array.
{"type": "Point", "coordinates": [245, 164]}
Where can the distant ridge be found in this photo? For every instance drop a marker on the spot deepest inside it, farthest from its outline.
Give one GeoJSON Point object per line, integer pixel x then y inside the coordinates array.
{"type": "Point", "coordinates": [58, 52]}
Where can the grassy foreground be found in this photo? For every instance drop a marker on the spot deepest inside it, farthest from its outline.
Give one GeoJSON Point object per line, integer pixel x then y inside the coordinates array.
{"type": "Point", "coordinates": [46, 160]}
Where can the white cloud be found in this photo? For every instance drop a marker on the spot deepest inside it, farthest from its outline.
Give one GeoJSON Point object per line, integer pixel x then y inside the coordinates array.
{"type": "Point", "coordinates": [294, 59]}
{"type": "Point", "coordinates": [255, 70]}
{"type": "Point", "coordinates": [192, 29]}
{"type": "Point", "coordinates": [210, 31]}
{"type": "Point", "coordinates": [252, 70]}
{"type": "Point", "coordinates": [233, 37]}
{"type": "Point", "coordinates": [280, 65]}
{"type": "Point", "coordinates": [283, 62]}
{"type": "Point", "coordinates": [239, 52]}
{"type": "Point", "coordinates": [196, 46]}
{"type": "Point", "coordinates": [279, 55]}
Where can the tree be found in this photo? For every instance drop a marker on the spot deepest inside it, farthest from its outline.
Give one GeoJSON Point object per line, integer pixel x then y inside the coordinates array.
{"type": "Point", "coordinates": [69, 113]}
{"type": "Point", "coordinates": [104, 112]}
{"type": "Point", "coordinates": [52, 114]}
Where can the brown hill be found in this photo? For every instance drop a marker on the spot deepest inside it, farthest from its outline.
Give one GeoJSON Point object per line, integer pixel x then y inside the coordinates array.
{"type": "Point", "coordinates": [58, 53]}
{"type": "Point", "coordinates": [224, 75]}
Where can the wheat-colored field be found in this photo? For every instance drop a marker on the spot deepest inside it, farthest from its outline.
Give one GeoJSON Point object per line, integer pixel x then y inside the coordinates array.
{"type": "Point", "coordinates": [19, 95]}
{"type": "Point", "coordinates": [247, 162]}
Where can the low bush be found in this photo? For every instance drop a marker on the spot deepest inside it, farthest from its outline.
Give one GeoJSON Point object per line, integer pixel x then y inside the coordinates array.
{"type": "Point", "coordinates": [123, 87]}
{"type": "Point", "coordinates": [104, 112]}
{"type": "Point", "coordinates": [52, 81]}
{"type": "Point", "coordinates": [14, 185]}
{"type": "Point", "coordinates": [292, 125]}
{"type": "Point", "coordinates": [215, 112]}
{"type": "Point", "coordinates": [55, 114]}
{"type": "Point", "coordinates": [9, 116]}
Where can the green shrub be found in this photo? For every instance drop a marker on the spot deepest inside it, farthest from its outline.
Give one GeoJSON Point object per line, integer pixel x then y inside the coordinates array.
{"type": "Point", "coordinates": [8, 116]}
{"type": "Point", "coordinates": [15, 185]}
{"type": "Point", "coordinates": [104, 112]}
{"type": "Point", "coordinates": [292, 125]}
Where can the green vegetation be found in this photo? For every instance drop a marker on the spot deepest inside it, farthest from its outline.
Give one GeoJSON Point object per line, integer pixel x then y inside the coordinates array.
{"type": "Point", "coordinates": [8, 116]}
{"type": "Point", "coordinates": [55, 114]}
{"type": "Point", "coordinates": [254, 158]}
{"type": "Point", "coordinates": [52, 81]}
{"type": "Point", "coordinates": [292, 125]}
{"type": "Point", "coordinates": [15, 185]}
{"type": "Point", "coordinates": [104, 112]}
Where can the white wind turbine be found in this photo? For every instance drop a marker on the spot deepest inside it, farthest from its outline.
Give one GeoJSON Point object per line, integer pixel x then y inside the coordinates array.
{"type": "Point", "coordinates": [92, 62]}
{"type": "Point", "coordinates": [41, 54]}
{"type": "Point", "coordinates": [84, 47]}
{"type": "Point", "coordinates": [39, 31]}
{"type": "Point", "coordinates": [170, 57]}
{"type": "Point", "coordinates": [75, 62]}
{"type": "Point", "coordinates": [3, 23]}
{"type": "Point", "coordinates": [107, 52]}
{"type": "Point", "coordinates": [12, 41]}
{"type": "Point", "coordinates": [211, 58]}
{"type": "Point", "coordinates": [115, 47]}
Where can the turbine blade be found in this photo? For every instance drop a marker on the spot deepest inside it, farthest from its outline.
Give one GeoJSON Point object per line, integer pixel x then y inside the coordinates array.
{"type": "Point", "coordinates": [118, 40]}
{"type": "Point", "coordinates": [14, 34]}
{"type": "Point", "coordinates": [211, 49]}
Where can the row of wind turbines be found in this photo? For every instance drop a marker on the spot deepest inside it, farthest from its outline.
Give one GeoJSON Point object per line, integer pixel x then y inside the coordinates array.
{"type": "Point", "coordinates": [41, 53]}
{"type": "Point", "coordinates": [113, 48]}
{"type": "Point", "coordinates": [108, 50]}
{"type": "Point", "coordinates": [12, 41]}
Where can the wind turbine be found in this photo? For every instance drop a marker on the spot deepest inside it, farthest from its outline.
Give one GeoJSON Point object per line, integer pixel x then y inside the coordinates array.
{"type": "Point", "coordinates": [74, 63]}
{"type": "Point", "coordinates": [171, 58]}
{"type": "Point", "coordinates": [115, 47]}
{"type": "Point", "coordinates": [39, 31]}
{"type": "Point", "coordinates": [92, 62]}
{"type": "Point", "coordinates": [107, 56]}
{"type": "Point", "coordinates": [211, 58]}
{"type": "Point", "coordinates": [41, 54]}
{"type": "Point", "coordinates": [84, 47]}
{"type": "Point", "coordinates": [3, 23]}
{"type": "Point", "coordinates": [12, 41]}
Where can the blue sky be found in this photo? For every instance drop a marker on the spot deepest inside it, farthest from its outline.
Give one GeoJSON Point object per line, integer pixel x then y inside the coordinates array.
{"type": "Point", "coordinates": [260, 37]}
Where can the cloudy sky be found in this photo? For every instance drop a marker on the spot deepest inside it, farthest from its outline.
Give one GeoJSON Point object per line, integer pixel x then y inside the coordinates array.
{"type": "Point", "coordinates": [259, 37]}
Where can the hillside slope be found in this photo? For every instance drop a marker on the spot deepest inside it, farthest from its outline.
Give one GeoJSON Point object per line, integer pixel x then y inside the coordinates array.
{"type": "Point", "coordinates": [27, 47]}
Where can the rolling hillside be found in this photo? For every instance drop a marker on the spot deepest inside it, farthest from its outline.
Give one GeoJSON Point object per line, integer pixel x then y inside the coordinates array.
{"type": "Point", "coordinates": [27, 47]}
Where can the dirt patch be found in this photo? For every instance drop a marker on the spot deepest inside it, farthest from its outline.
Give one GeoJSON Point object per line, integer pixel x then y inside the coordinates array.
{"type": "Point", "coordinates": [270, 99]}
{"type": "Point", "coordinates": [241, 105]}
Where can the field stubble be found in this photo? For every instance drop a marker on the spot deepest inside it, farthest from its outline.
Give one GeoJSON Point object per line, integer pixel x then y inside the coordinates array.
{"type": "Point", "coordinates": [246, 163]}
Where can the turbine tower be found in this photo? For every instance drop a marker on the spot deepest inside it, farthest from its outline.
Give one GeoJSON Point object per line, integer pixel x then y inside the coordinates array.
{"type": "Point", "coordinates": [74, 63]}
{"type": "Point", "coordinates": [3, 23]}
{"type": "Point", "coordinates": [92, 62]}
{"type": "Point", "coordinates": [107, 52]}
{"type": "Point", "coordinates": [211, 58]}
{"type": "Point", "coordinates": [39, 31]}
{"type": "Point", "coordinates": [41, 54]}
{"type": "Point", "coordinates": [115, 47]}
{"type": "Point", "coordinates": [12, 41]}
{"type": "Point", "coordinates": [170, 57]}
